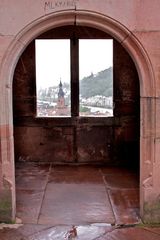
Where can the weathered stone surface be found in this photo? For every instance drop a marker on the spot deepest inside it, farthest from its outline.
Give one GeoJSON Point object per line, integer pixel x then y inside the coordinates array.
{"type": "Point", "coordinates": [85, 232]}
{"type": "Point", "coordinates": [4, 43]}
{"type": "Point", "coordinates": [135, 24]}
{"type": "Point", "coordinates": [5, 205]}
{"type": "Point", "coordinates": [152, 210]}
{"type": "Point", "coordinates": [76, 194]}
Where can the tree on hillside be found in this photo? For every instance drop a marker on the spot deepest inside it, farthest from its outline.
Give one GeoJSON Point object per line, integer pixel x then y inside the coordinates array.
{"type": "Point", "coordinates": [99, 84]}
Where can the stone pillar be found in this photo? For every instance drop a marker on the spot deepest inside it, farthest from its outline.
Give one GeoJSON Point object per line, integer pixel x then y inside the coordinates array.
{"type": "Point", "coordinates": [150, 162]}
{"type": "Point", "coordinates": [7, 177]}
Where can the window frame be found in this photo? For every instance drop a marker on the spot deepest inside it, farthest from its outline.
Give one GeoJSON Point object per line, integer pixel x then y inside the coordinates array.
{"type": "Point", "coordinates": [74, 36]}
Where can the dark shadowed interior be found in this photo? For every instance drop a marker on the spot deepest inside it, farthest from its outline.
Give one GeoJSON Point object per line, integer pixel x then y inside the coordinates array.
{"type": "Point", "coordinates": [79, 169]}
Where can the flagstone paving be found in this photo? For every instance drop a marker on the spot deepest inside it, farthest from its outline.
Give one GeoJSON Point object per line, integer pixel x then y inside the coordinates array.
{"type": "Point", "coordinates": [80, 202]}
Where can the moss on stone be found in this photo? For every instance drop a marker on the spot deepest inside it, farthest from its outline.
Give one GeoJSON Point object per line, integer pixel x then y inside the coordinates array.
{"type": "Point", "coordinates": [5, 206]}
{"type": "Point", "coordinates": [152, 213]}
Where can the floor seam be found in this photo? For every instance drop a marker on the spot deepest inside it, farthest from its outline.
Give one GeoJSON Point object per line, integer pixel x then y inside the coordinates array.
{"type": "Point", "coordinates": [107, 193]}
{"type": "Point", "coordinates": [148, 230]}
{"type": "Point", "coordinates": [104, 234]}
{"type": "Point", "coordinates": [44, 193]}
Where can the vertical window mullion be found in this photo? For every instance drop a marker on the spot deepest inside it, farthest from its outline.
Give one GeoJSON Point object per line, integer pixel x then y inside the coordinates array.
{"type": "Point", "coordinates": [74, 77]}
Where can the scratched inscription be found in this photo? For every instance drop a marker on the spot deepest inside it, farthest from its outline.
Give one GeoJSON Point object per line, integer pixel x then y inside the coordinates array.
{"type": "Point", "coordinates": [52, 5]}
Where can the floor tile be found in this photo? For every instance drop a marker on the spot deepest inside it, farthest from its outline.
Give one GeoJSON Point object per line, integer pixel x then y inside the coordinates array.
{"type": "Point", "coordinates": [117, 171]}
{"type": "Point", "coordinates": [130, 234]}
{"type": "Point", "coordinates": [88, 232]}
{"type": "Point", "coordinates": [32, 229]}
{"type": "Point", "coordinates": [125, 204]}
{"type": "Point", "coordinates": [31, 182]}
{"type": "Point", "coordinates": [80, 174]}
{"type": "Point", "coordinates": [24, 168]}
{"type": "Point", "coordinates": [29, 205]}
{"type": "Point", "coordinates": [76, 204]}
{"type": "Point", "coordinates": [122, 181]}
{"type": "Point", "coordinates": [11, 234]}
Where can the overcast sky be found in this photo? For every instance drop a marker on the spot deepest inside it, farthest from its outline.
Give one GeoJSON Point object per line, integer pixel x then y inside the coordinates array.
{"type": "Point", "coordinates": [53, 59]}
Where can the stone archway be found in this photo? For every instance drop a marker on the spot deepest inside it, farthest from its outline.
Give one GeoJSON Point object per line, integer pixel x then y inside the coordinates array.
{"type": "Point", "coordinates": [146, 76]}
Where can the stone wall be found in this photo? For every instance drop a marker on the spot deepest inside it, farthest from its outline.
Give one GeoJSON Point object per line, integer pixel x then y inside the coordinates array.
{"type": "Point", "coordinates": [110, 141]}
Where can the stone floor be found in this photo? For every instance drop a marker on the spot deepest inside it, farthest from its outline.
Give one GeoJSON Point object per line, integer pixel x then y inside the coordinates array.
{"type": "Point", "coordinates": [102, 203]}
{"type": "Point", "coordinates": [81, 195]}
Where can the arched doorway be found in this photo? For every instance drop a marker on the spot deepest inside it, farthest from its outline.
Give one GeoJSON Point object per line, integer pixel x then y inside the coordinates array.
{"type": "Point", "coordinates": [83, 138]}
{"type": "Point", "coordinates": [59, 19]}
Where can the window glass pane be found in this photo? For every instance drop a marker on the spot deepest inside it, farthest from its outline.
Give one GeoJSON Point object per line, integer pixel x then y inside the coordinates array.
{"type": "Point", "coordinates": [96, 77]}
{"type": "Point", "coordinates": [53, 77]}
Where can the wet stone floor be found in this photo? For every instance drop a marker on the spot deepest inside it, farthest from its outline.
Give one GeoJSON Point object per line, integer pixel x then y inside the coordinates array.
{"type": "Point", "coordinates": [76, 202]}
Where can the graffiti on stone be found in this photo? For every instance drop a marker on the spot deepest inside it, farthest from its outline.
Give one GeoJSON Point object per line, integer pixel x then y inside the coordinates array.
{"type": "Point", "coordinates": [53, 5]}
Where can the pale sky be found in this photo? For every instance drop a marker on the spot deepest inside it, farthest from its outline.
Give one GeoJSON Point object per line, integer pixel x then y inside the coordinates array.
{"type": "Point", "coordinates": [53, 59]}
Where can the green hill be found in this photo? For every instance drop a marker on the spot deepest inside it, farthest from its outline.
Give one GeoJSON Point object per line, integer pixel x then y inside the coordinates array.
{"type": "Point", "coordinates": [99, 84]}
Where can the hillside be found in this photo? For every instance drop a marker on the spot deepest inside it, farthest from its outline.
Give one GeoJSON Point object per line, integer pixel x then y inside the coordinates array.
{"type": "Point", "coordinates": [99, 84]}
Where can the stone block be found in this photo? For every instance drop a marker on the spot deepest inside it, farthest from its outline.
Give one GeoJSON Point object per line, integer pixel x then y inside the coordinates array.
{"type": "Point", "coordinates": [15, 16]}
{"type": "Point", "coordinates": [146, 163]}
{"type": "Point", "coordinates": [147, 15]}
{"type": "Point", "coordinates": [113, 9]}
{"type": "Point", "coordinates": [7, 153]}
{"type": "Point", "coordinates": [147, 121]}
{"type": "Point", "coordinates": [157, 118]}
{"type": "Point", "coordinates": [93, 145]}
{"type": "Point", "coordinates": [6, 131]}
{"type": "Point", "coordinates": [4, 43]}
{"type": "Point", "coordinates": [156, 166]}
{"type": "Point", "coordinates": [151, 44]}
{"type": "Point", "coordinates": [43, 144]}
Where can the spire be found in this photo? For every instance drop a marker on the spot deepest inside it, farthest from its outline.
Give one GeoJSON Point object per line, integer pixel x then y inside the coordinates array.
{"type": "Point", "coordinates": [60, 84]}
{"type": "Point", "coordinates": [60, 92]}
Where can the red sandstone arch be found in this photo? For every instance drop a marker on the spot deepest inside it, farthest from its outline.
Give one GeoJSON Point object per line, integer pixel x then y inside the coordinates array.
{"type": "Point", "coordinates": [62, 18]}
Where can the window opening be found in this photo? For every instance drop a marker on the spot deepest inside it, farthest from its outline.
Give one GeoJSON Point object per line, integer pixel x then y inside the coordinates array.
{"type": "Point", "coordinates": [53, 77]}
{"type": "Point", "coordinates": [74, 78]}
{"type": "Point", "coordinates": [96, 77]}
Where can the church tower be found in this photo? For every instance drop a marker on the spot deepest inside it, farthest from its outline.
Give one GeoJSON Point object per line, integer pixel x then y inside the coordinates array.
{"type": "Point", "coordinates": [61, 100]}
